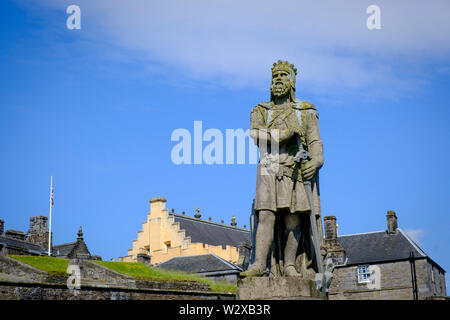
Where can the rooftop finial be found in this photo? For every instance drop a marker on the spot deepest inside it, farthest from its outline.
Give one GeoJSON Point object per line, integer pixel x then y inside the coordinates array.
{"type": "Point", "coordinates": [233, 221]}
{"type": "Point", "coordinates": [80, 233]}
{"type": "Point", "coordinates": [197, 213]}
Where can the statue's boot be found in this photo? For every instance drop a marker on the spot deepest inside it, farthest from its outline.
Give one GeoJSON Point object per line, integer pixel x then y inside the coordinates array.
{"type": "Point", "coordinates": [254, 271]}
{"type": "Point", "coordinates": [290, 271]}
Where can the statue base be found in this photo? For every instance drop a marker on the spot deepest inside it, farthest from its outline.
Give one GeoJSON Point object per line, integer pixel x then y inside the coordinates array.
{"type": "Point", "coordinates": [278, 288]}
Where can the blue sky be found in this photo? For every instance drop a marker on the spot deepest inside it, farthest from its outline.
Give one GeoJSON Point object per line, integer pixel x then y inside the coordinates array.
{"type": "Point", "coordinates": [96, 108]}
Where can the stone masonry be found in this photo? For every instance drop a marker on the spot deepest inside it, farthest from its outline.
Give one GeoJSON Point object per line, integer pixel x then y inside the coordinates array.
{"type": "Point", "coordinates": [19, 281]}
{"type": "Point", "coordinates": [38, 232]}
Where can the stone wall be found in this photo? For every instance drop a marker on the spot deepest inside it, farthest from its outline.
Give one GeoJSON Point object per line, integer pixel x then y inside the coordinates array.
{"type": "Point", "coordinates": [395, 282]}
{"type": "Point", "coordinates": [16, 268]}
{"type": "Point", "coordinates": [94, 273]}
{"type": "Point", "coordinates": [21, 281]}
{"type": "Point", "coordinates": [428, 284]}
{"type": "Point", "coordinates": [438, 285]}
{"type": "Point", "coordinates": [42, 291]}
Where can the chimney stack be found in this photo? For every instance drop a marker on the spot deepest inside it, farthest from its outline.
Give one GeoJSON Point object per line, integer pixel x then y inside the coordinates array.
{"type": "Point", "coordinates": [157, 205]}
{"type": "Point", "coordinates": [334, 250]}
{"type": "Point", "coordinates": [391, 222]}
{"type": "Point", "coordinates": [330, 228]}
{"type": "Point", "coordinates": [2, 227]}
{"type": "Point", "coordinates": [38, 224]}
{"type": "Point", "coordinates": [38, 232]}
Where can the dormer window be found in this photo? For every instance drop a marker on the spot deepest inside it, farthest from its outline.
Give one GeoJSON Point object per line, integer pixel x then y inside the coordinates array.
{"type": "Point", "coordinates": [364, 274]}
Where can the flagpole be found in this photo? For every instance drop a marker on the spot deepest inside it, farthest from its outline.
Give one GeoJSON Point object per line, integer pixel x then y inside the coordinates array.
{"type": "Point", "coordinates": [50, 218]}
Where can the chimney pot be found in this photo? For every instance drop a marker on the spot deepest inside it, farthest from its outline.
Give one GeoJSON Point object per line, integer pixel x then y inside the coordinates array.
{"type": "Point", "coordinates": [2, 227]}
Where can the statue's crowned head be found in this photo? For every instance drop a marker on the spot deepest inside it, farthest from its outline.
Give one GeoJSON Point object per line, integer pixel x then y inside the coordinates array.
{"type": "Point", "coordinates": [283, 80]}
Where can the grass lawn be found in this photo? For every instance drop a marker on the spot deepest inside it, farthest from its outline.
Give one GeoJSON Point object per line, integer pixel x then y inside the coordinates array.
{"type": "Point", "coordinates": [58, 266]}
{"type": "Point", "coordinates": [141, 271]}
{"type": "Point", "coordinates": [54, 266]}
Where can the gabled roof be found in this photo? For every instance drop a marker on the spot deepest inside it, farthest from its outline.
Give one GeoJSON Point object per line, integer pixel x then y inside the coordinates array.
{"type": "Point", "coordinates": [64, 249]}
{"type": "Point", "coordinates": [379, 246]}
{"type": "Point", "coordinates": [202, 263]}
{"type": "Point", "coordinates": [21, 244]}
{"type": "Point", "coordinates": [69, 250]}
{"type": "Point", "coordinates": [212, 233]}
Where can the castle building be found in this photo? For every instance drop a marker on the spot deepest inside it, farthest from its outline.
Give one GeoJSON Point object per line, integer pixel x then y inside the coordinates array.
{"type": "Point", "coordinates": [166, 235]}
{"type": "Point", "coordinates": [207, 265]}
{"type": "Point", "coordinates": [381, 265]}
{"type": "Point", "coordinates": [35, 242]}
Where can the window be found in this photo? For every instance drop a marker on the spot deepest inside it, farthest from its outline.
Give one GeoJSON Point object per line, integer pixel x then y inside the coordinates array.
{"type": "Point", "coordinates": [166, 246]}
{"type": "Point", "coordinates": [432, 274]}
{"type": "Point", "coordinates": [364, 274]}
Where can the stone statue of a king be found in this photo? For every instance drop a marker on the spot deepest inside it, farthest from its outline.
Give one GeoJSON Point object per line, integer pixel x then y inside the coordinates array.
{"type": "Point", "coordinates": [287, 202]}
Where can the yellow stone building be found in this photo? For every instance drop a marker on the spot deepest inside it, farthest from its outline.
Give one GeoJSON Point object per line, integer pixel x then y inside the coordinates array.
{"type": "Point", "coordinates": [165, 235]}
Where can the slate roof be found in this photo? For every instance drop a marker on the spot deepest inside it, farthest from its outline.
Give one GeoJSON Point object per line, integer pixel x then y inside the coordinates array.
{"type": "Point", "coordinates": [64, 249]}
{"type": "Point", "coordinates": [212, 233]}
{"type": "Point", "coordinates": [203, 263]}
{"type": "Point", "coordinates": [379, 246]}
{"type": "Point", "coordinates": [24, 245]}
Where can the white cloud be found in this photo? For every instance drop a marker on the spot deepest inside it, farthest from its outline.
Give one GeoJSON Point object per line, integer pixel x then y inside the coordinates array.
{"type": "Point", "coordinates": [415, 235]}
{"type": "Point", "coordinates": [235, 42]}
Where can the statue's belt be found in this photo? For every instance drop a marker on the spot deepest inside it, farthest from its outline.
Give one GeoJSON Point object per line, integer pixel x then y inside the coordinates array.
{"type": "Point", "coordinates": [293, 172]}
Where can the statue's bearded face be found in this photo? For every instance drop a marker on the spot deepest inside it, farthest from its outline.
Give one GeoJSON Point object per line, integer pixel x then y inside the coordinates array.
{"type": "Point", "coordinates": [281, 84]}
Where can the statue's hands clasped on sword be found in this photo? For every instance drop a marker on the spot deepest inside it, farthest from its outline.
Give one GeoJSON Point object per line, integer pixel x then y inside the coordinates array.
{"type": "Point", "coordinates": [307, 163]}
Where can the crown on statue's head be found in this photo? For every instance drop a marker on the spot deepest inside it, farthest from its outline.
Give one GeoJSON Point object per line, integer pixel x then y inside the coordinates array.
{"type": "Point", "coordinates": [284, 66]}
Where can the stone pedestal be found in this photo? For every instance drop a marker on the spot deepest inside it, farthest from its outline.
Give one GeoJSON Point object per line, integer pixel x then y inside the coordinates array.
{"type": "Point", "coordinates": [277, 288]}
